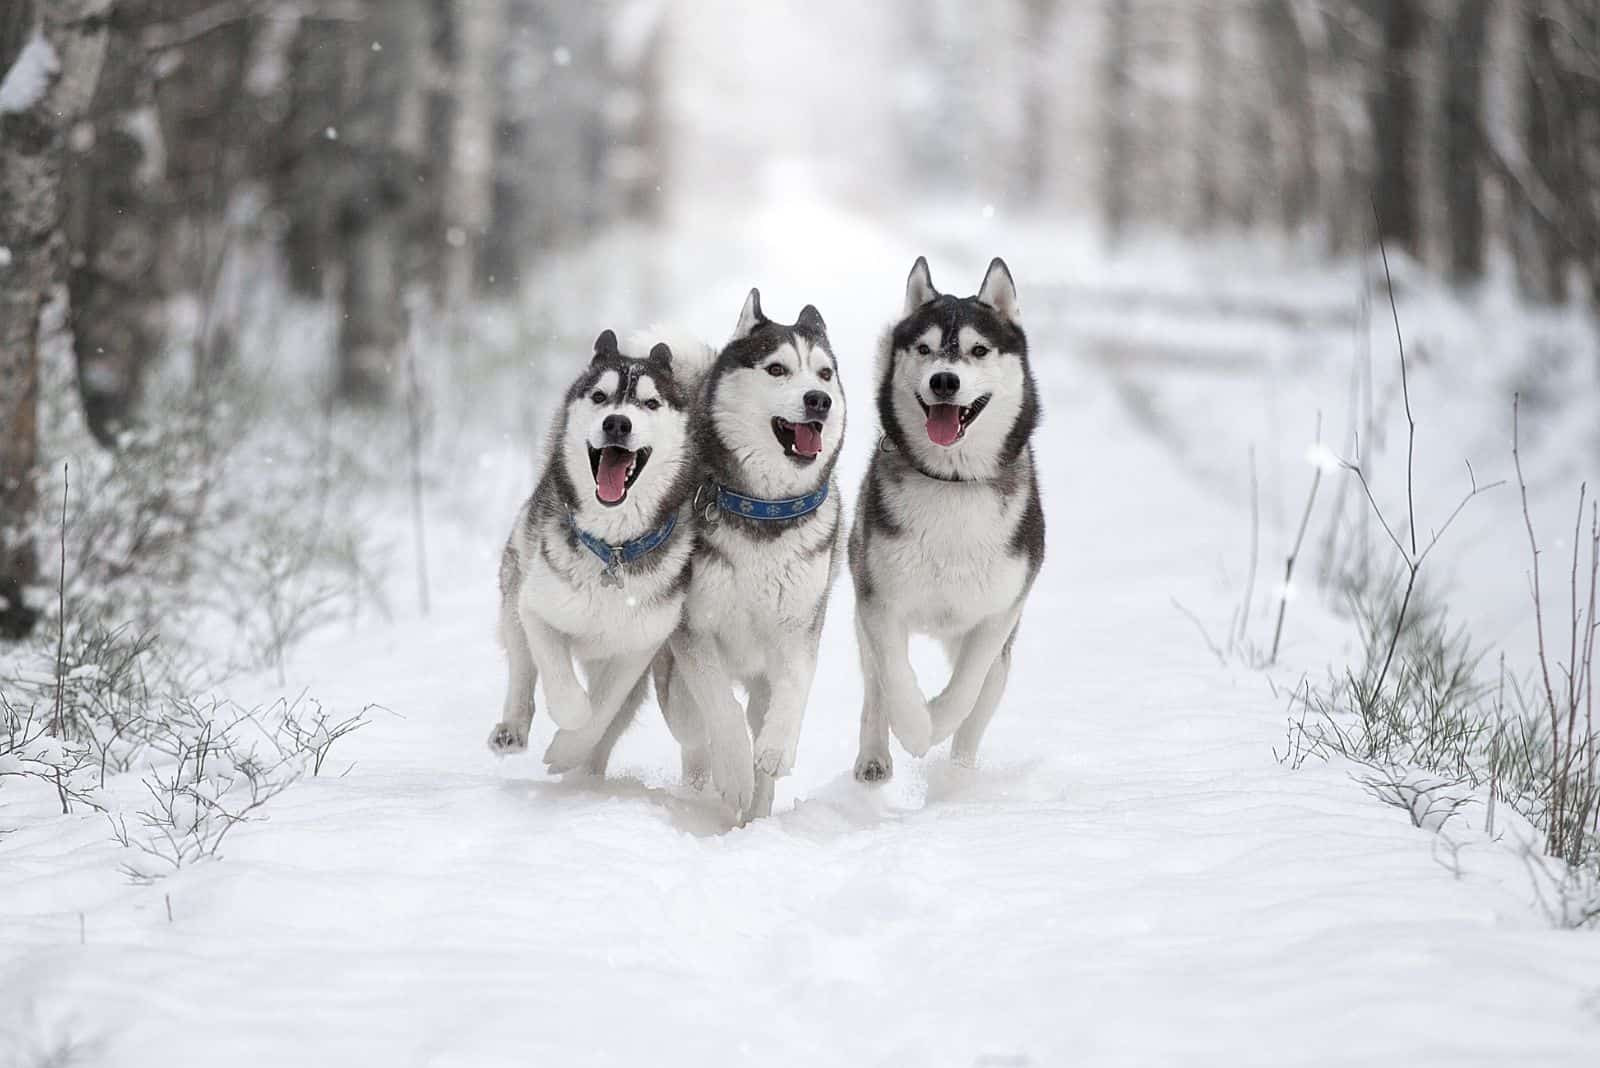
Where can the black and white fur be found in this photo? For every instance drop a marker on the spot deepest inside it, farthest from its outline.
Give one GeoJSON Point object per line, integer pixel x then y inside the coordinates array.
{"type": "Point", "coordinates": [759, 589]}
{"type": "Point", "coordinates": [555, 610]}
{"type": "Point", "coordinates": [948, 538]}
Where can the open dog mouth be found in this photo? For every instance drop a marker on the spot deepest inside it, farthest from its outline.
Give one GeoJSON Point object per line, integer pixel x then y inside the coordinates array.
{"type": "Point", "coordinates": [801, 441]}
{"type": "Point", "coordinates": [948, 422]}
{"type": "Point", "coordinates": [615, 471]}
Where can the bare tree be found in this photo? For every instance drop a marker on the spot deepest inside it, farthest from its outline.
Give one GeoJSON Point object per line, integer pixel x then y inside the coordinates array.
{"type": "Point", "coordinates": [1285, 28]}
{"type": "Point", "coordinates": [115, 223]}
{"type": "Point", "coordinates": [32, 174]}
{"type": "Point", "coordinates": [381, 147]}
{"type": "Point", "coordinates": [1117, 81]}
{"type": "Point", "coordinates": [1040, 19]}
{"type": "Point", "coordinates": [1392, 103]}
{"type": "Point", "coordinates": [1463, 109]}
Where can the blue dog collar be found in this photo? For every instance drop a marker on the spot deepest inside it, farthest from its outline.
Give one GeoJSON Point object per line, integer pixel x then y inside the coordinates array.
{"type": "Point", "coordinates": [614, 556]}
{"type": "Point", "coordinates": [756, 508]}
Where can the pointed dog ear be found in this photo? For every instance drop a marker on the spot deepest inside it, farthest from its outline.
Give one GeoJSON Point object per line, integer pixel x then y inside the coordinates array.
{"type": "Point", "coordinates": [810, 322]}
{"type": "Point", "coordinates": [999, 291]}
{"type": "Point", "coordinates": [661, 353]}
{"type": "Point", "coordinates": [750, 316]}
{"type": "Point", "coordinates": [919, 286]}
{"type": "Point", "coordinates": [605, 345]}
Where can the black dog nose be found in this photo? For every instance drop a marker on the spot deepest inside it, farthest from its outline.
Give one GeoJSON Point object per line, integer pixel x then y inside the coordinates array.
{"type": "Point", "coordinates": [817, 402]}
{"type": "Point", "coordinates": [616, 426]}
{"type": "Point", "coordinates": [944, 385]}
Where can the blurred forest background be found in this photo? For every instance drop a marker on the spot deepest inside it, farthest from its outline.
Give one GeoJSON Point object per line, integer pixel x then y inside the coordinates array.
{"type": "Point", "coordinates": [175, 173]}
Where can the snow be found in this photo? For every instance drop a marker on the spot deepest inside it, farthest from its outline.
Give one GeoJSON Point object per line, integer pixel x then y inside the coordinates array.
{"type": "Point", "coordinates": [29, 78]}
{"type": "Point", "coordinates": [1129, 878]}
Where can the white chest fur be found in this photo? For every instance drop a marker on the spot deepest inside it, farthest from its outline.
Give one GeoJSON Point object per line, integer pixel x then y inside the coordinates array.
{"type": "Point", "coordinates": [756, 594]}
{"type": "Point", "coordinates": [601, 620]}
{"type": "Point", "coordinates": [951, 563]}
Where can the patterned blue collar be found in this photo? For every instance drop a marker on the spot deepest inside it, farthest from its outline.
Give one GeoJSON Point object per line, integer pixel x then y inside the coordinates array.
{"type": "Point", "coordinates": [614, 556]}
{"type": "Point", "coordinates": [756, 508]}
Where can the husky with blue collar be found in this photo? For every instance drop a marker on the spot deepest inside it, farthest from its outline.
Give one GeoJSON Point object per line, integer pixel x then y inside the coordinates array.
{"type": "Point", "coordinates": [767, 429]}
{"type": "Point", "coordinates": [949, 536]}
{"type": "Point", "coordinates": [597, 566]}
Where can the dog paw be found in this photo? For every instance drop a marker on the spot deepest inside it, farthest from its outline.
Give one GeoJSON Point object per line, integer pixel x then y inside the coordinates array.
{"type": "Point", "coordinates": [874, 768]}
{"type": "Point", "coordinates": [914, 728]}
{"type": "Point", "coordinates": [963, 758]}
{"type": "Point", "coordinates": [567, 750]}
{"type": "Point", "coordinates": [734, 775]}
{"type": "Point", "coordinates": [773, 756]}
{"type": "Point", "coordinates": [506, 739]}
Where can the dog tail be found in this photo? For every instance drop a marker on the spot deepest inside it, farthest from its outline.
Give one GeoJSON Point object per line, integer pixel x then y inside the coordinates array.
{"type": "Point", "coordinates": [691, 357]}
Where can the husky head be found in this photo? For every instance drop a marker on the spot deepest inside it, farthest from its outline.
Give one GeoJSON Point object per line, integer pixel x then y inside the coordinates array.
{"type": "Point", "coordinates": [775, 408]}
{"type": "Point", "coordinates": [955, 393]}
{"type": "Point", "coordinates": [624, 440]}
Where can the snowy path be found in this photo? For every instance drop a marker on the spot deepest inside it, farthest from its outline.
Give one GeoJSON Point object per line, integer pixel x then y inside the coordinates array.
{"type": "Point", "coordinates": [1130, 878]}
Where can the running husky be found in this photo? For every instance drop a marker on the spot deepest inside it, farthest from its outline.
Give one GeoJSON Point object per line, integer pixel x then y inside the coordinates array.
{"type": "Point", "coordinates": [597, 565]}
{"type": "Point", "coordinates": [950, 532]}
{"type": "Point", "coordinates": [767, 429]}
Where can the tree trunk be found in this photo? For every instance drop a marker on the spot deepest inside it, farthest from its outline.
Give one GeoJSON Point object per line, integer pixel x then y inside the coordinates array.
{"type": "Point", "coordinates": [32, 168]}
{"type": "Point", "coordinates": [382, 147]}
{"type": "Point", "coordinates": [1544, 257]}
{"type": "Point", "coordinates": [1463, 158]}
{"type": "Point", "coordinates": [115, 224]}
{"type": "Point", "coordinates": [1040, 17]}
{"type": "Point", "coordinates": [519, 61]}
{"type": "Point", "coordinates": [1393, 106]}
{"type": "Point", "coordinates": [469, 181]}
{"type": "Point", "coordinates": [1208, 30]}
{"type": "Point", "coordinates": [1117, 100]}
{"type": "Point", "coordinates": [1289, 72]}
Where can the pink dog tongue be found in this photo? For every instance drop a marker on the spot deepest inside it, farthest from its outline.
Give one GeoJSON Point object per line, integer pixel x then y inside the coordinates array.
{"type": "Point", "coordinates": [807, 439]}
{"type": "Point", "coordinates": [944, 423]}
{"type": "Point", "coordinates": [611, 481]}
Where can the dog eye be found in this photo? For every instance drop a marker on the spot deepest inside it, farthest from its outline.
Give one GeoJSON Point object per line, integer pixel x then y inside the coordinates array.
{"type": "Point", "coordinates": [652, 405]}
{"type": "Point", "coordinates": [826, 374]}
{"type": "Point", "coordinates": [777, 370]}
{"type": "Point", "coordinates": [924, 350]}
{"type": "Point", "coordinates": [980, 350]}
{"type": "Point", "coordinates": [598, 396]}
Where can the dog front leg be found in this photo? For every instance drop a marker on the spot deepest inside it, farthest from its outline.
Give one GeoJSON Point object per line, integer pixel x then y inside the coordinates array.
{"type": "Point", "coordinates": [510, 735]}
{"type": "Point", "coordinates": [873, 762]}
{"type": "Point", "coordinates": [964, 750]}
{"type": "Point", "coordinates": [683, 720]}
{"type": "Point", "coordinates": [610, 684]}
{"type": "Point", "coordinates": [552, 653]}
{"type": "Point", "coordinates": [790, 672]}
{"type": "Point", "coordinates": [698, 666]}
{"type": "Point", "coordinates": [980, 649]}
{"type": "Point", "coordinates": [885, 638]}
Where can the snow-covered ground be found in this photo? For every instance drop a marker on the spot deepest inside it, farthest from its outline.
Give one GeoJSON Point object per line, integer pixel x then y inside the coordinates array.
{"type": "Point", "coordinates": [1130, 877]}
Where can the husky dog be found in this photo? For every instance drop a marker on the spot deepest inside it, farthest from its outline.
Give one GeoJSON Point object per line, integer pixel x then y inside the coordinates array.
{"type": "Point", "coordinates": [950, 532]}
{"type": "Point", "coordinates": [767, 429]}
{"type": "Point", "coordinates": [597, 565]}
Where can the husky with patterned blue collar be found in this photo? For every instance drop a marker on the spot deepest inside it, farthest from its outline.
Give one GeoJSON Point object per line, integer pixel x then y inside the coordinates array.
{"type": "Point", "coordinates": [597, 566]}
{"type": "Point", "coordinates": [767, 428]}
